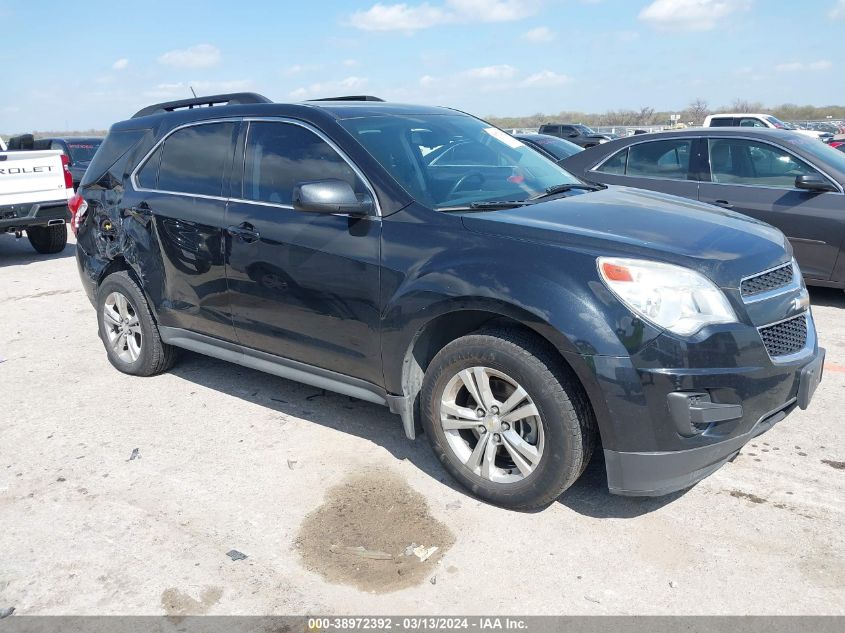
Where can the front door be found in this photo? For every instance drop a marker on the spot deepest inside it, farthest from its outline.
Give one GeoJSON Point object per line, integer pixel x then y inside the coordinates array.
{"type": "Point", "coordinates": [303, 286]}
{"type": "Point", "coordinates": [758, 179]}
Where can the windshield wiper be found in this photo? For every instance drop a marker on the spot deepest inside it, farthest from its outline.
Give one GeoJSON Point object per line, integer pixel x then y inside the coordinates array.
{"type": "Point", "coordinates": [556, 189]}
{"type": "Point", "coordinates": [488, 205]}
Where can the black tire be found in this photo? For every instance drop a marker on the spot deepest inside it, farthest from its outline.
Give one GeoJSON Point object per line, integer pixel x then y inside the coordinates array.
{"type": "Point", "coordinates": [155, 356]}
{"type": "Point", "coordinates": [47, 240]}
{"type": "Point", "coordinates": [565, 415]}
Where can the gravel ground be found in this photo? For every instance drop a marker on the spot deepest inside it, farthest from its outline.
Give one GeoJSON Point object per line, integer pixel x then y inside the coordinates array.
{"type": "Point", "coordinates": [122, 495]}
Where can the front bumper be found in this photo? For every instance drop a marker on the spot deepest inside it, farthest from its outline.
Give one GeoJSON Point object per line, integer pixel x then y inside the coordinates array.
{"type": "Point", "coordinates": [735, 392]}
{"type": "Point", "coordinates": [21, 216]}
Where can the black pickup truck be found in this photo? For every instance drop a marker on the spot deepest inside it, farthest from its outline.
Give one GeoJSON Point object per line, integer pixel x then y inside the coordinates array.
{"type": "Point", "coordinates": [517, 315]}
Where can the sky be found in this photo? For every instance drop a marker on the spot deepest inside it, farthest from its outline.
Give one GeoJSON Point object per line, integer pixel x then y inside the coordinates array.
{"type": "Point", "coordinates": [90, 63]}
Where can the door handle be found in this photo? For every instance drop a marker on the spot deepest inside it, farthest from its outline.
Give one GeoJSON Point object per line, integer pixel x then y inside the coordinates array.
{"type": "Point", "coordinates": [244, 231]}
{"type": "Point", "coordinates": [723, 203]}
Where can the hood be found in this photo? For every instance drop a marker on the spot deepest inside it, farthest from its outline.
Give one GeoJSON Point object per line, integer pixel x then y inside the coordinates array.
{"type": "Point", "coordinates": [620, 221]}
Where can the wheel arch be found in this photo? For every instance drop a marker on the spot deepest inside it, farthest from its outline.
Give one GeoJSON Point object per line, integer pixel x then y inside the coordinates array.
{"type": "Point", "coordinates": [439, 331]}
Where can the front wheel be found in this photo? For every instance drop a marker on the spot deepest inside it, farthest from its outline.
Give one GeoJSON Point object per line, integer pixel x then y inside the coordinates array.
{"type": "Point", "coordinates": [506, 420]}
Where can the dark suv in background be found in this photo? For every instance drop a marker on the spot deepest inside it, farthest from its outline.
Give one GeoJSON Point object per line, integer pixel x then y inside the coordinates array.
{"type": "Point", "coordinates": [514, 313]}
{"type": "Point", "coordinates": [576, 133]}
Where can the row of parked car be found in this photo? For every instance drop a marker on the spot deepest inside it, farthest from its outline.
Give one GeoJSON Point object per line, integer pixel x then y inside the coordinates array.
{"type": "Point", "coordinates": [750, 163]}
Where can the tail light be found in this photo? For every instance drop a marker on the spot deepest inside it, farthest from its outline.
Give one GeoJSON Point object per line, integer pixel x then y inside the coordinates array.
{"type": "Point", "coordinates": [837, 143]}
{"type": "Point", "coordinates": [78, 207]}
{"type": "Point", "coordinates": [68, 175]}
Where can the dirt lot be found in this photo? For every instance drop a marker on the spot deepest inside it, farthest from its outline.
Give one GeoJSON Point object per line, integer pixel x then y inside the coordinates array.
{"type": "Point", "coordinates": [126, 495]}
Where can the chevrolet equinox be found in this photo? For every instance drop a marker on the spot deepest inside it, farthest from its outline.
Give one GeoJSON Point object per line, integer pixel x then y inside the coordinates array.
{"type": "Point", "coordinates": [420, 258]}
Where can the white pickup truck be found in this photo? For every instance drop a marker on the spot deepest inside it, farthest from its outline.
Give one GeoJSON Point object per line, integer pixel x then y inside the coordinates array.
{"type": "Point", "coordinates": [35, 187]}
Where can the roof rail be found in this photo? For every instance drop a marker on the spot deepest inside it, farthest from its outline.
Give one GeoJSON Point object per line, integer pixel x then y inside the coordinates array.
{"type": "Point", "coordinates": [235, 98]}
{"type": "Point", "coordinates": [350, 98]}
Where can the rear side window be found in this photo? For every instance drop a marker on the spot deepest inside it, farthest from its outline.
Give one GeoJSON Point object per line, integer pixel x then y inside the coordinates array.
{"type": "Point", "coordinates": [194, 159]}
{"type": "Point", "coordinates": [148, 176]}
{"type": "Point", "coordinates": [280, 155]}
{"type": "Point", "coordinates": [615, 164]}
{"type": "Point", "coordinates": [660, 159]}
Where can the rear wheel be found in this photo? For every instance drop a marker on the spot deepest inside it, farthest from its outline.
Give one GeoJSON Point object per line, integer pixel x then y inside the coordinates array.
{"type": "Point", "coordinates": [47, 240]}
{"type": "Point", "coordinates": [505, 419]}
{"type": "Point", "coordinates": [128, 330]}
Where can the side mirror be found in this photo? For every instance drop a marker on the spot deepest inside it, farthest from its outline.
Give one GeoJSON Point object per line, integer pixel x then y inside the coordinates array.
{"type": "Point", "coordinates": [814, 182]}
{"type": "Point", "coordinates": [331, 196]}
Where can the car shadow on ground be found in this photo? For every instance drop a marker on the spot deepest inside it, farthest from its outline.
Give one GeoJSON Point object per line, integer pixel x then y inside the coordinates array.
{"type": "Point", "coordinates": [18, 252]}
{"type": "Point", "coordinates": [589, 495]}
{"type": "Point", "coordinates": [828, 297]}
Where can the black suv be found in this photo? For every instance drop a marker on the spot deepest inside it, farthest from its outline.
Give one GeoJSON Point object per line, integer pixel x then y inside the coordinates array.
{"type": "Point", "coordinates": [576, 133]}
{"type": "Point", "coordinates": [513, 312]}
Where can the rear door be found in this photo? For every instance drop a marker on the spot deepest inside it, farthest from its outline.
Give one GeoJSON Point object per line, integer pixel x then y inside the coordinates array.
{"type": "Point", "coordinates": [304, 286]}
{"type": "Point", "coordinates": [178, 198]}
{"type": "Point", "coordinates": [758, 179]}
{"type": "Point", "coordinates": [665, 165]}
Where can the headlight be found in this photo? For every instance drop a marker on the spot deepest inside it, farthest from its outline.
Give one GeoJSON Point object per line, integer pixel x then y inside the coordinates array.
{"type": "Point", "coordinates": [671, 297]}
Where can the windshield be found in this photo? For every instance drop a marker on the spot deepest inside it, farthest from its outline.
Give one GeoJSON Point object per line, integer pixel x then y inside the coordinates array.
{"type": "Point", "coordinates": [826, 155]}
{"type": "Point", "coordinates": [83, 151]}
{"type": "Point", "coordinates": [455, 160]}
{"type": "Point", "coordinates": [781, 125]}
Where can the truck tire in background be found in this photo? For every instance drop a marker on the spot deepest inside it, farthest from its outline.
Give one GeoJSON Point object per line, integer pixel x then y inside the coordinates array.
{"type": "Point", "coordinates": [47, 240]}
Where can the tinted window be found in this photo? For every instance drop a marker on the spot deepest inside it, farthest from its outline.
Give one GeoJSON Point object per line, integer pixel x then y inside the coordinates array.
{"type": "Point", "coordinates": [557, 147]}
{"type": "Point", "coordinates": [616, 163]}
{"type": "Point", "coordinates": [721, 122]}
{"type": "Point", "coordinates": [194, 159]}
{"type": "Point", "coordinates": [280, 155]}
{"type": "Point", "coordinates": [148, 176]}
{"type": "Point", "coordinates": [736, 161]}
{"type": "Point", "coordinates": [406, 145]}
{"type": "Point", "coordinates": [83, 151]}
{"type": "Point", "coordinates": [660, 159]}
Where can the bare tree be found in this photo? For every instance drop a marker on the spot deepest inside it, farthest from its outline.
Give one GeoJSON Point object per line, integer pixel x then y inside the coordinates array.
{"type": "Point", "coordinates": [743, 105]}
{"type": "Point", "coordinates": [698, 110]}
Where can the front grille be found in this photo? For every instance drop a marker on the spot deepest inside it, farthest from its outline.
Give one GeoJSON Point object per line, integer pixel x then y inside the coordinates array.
{"type": "Point", "coordinates": [767, 281]}
{"type": "Point", "coordinates": [786, 337]}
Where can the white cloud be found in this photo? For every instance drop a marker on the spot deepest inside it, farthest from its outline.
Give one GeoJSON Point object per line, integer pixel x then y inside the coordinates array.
{"type": "Point", "coordinates": [545, 79]}
{"type": "Point", "coordinates": [690, 15]}
{"type": "Point", "coordinates": [498, 72]}
{"type": "Point", "coordinates": [120, 64]}
{"type": "Point", "coordinates": [791, 67]}
{"type": "Point", "coordinates": [350, 85]}
{"type": "Point", "coordinates": [540, 34]}
{"type": "Point", "coordinates": [838, 10]}
{"type": "Point", "coordinates": [427, 80]}
{"type": "Point", "coordinates": [350, 63]}
{"type": "Point", "coordinates": [199, 56]}
{"type": "Point", "coordinates": [410, 18]}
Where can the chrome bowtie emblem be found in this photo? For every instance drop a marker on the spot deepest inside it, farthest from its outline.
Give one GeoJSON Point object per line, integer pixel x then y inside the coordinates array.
{"type": "Point", "coordinates": [802, 302]}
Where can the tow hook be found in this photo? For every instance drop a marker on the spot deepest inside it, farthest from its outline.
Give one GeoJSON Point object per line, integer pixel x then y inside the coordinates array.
{"type": "Point", "coordinates": [18, 234]}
